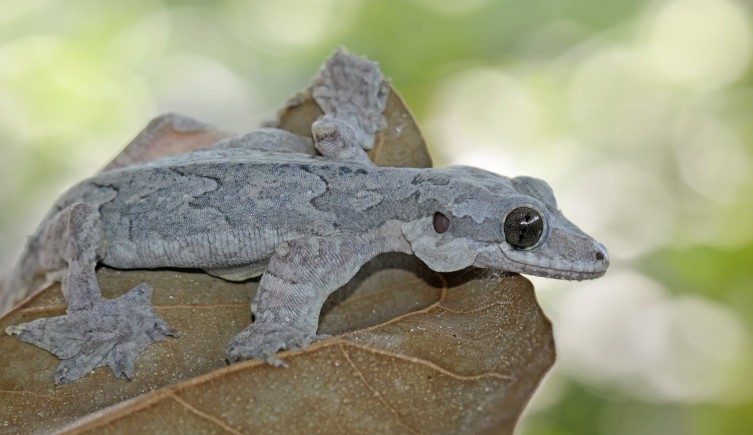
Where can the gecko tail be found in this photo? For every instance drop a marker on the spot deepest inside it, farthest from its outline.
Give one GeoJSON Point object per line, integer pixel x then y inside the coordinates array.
{"type": "Point", "coordinates": [7, 298]}
{"type": "Point", "coordinates": [24, 280]}
{"type": "Point", "coordinates": [14, 289]}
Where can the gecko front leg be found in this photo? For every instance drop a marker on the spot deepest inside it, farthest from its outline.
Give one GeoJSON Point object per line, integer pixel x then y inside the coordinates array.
{"type": "Point", "coordinates": [300, 276]}
{"type": "Point", "coordinates": [95, 331]}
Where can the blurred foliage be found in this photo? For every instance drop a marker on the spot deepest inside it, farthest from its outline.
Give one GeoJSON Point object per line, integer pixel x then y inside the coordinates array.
{"type": "Point", "coordinates": [638, 114]}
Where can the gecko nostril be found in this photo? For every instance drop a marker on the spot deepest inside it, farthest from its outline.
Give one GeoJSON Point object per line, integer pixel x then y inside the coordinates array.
{"type": "Point", "coordinates": [599, 256]}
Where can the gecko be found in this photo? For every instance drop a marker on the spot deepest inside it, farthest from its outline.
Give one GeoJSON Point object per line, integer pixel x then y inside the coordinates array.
{"type": "Point", "coordinates": [304, 213]}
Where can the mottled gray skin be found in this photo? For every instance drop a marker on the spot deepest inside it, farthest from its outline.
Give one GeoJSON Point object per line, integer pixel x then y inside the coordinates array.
{"type": "Point", "coordinates": [227, 211]}
{"type": "Point", "coordinates": [308, 223]}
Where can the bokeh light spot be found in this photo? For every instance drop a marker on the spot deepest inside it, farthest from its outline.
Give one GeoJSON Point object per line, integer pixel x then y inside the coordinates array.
{"type": "Point", "coordinates": [627, 207]}
{"type": "Point", "coordinates": [710, 156]}
{"type": "Point", "coordinates": [699, 43]}
{"type": "Point", "coordinates": [280, 26]}
{"type": "Point", "coordinates": [625, 331]}
{"type": "Point", "coordinates": [483, 108]}
{"type": "Point", "coordinates": [206, 89]}
{"type": "Point", "coordinates": [452, 7]}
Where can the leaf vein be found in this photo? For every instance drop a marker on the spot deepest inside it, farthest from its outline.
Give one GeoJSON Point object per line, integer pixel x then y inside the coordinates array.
{"type": "Point", "coordinates": [203, 414]}
{"type": "Point", "coordinates": [375, 391]}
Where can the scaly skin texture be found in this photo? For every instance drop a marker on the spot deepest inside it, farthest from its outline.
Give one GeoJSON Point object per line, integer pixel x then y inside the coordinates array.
{"type": "Point", "coordinates": [307, 222]}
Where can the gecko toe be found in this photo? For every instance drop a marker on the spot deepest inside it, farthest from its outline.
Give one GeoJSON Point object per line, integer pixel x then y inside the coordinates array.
{"type": "Point", "coordinates": [111, 332]}
{"type": "Point", "coordinates": [262, 343]}
{"type": "Point", "coordinates": [122, 361]}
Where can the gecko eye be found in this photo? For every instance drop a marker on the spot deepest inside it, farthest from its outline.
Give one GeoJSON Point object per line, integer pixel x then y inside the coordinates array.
{"type": "Point", "coordinates": [441, 223]}
{"type": "Point", "coordinates": [523, 227]}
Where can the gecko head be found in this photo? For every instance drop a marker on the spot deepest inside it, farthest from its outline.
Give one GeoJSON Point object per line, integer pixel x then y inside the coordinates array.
{"type": "Point", "coordinates": [540, 240]}
{"type": "Point", "coordinates": [490, 221]}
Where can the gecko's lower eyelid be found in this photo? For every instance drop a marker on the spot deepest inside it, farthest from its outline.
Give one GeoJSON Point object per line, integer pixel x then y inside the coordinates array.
{"type": "Point", "coordinates": [441, 223]}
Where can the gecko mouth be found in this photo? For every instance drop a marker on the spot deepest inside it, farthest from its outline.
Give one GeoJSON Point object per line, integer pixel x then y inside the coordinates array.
{"type": "Point", "coordinates": [558, 268]}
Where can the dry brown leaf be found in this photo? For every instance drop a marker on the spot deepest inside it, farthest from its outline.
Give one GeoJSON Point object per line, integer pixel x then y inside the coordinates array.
{"type": "Point", "coordinates": [167, 135]}
{"type": "Point", "coordinates": [421, 352]}
{"type": "Point", "coordinates": [429, 353]}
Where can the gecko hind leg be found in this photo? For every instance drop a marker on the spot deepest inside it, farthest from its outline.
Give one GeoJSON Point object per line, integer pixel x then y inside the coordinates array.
{"type": "Point", "coordinates": [94, 332]}
{"type": "Point", "coordinates": [338, 141]}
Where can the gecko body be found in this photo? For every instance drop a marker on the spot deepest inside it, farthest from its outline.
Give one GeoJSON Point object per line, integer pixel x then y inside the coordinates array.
{"type": "Point", "coordinates": [226, 211]}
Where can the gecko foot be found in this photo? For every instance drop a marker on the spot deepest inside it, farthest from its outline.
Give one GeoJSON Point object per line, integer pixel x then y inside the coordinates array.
{"type": "Point", "coordinates": [110, 332]}
{"type": "Point", "coordinates": [262, 342]}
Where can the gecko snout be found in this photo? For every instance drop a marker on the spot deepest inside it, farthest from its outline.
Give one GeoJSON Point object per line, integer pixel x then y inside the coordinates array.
{"type": "Point", "coordinates": [601, 254]}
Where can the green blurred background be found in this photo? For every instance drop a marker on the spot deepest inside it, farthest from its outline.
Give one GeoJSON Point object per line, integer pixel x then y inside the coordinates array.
{"type": "Point", "coordinates": [637, 112]}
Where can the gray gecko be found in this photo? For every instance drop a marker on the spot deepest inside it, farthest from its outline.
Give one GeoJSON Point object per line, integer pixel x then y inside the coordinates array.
{"type": "Point", "coordinates": [265, 204]}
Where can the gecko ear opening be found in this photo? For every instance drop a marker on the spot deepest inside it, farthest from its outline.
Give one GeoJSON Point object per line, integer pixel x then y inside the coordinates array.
{"type": "Point", "coordinates": [440, 251]}
{"type": "Point", "coordinates": [441, 223]}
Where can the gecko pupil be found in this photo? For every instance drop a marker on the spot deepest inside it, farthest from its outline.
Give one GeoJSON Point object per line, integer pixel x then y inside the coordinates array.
{"type": "Point", "coordinates": [523, 227]}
